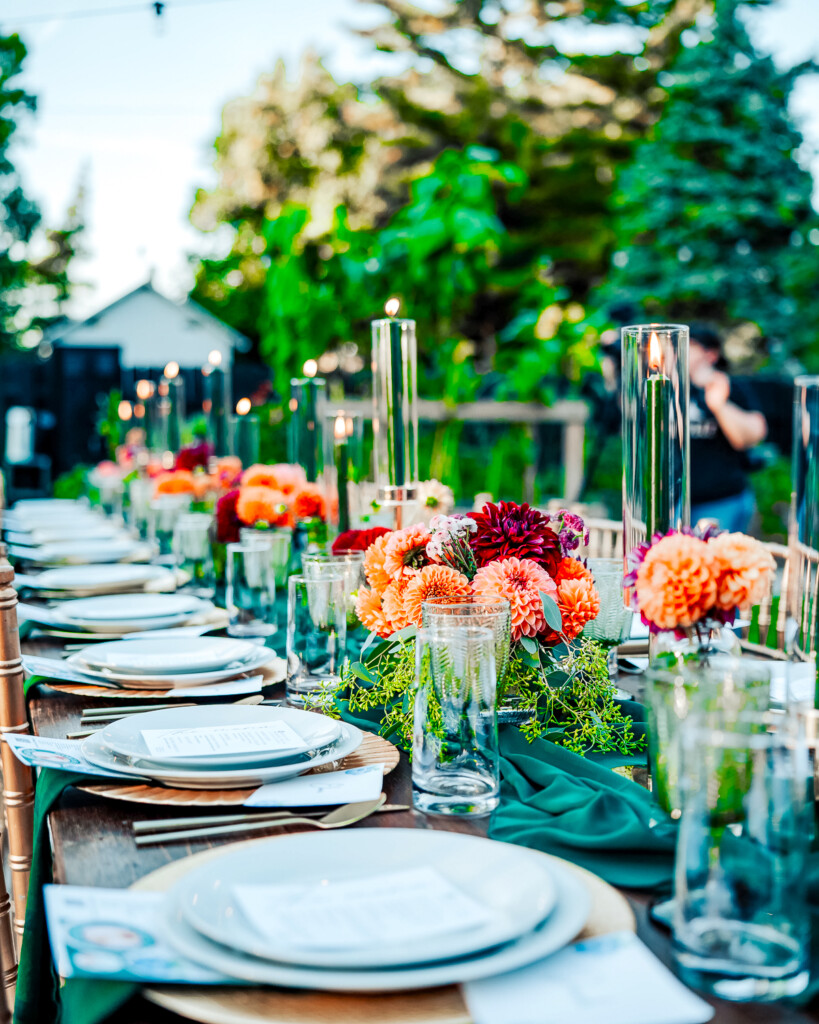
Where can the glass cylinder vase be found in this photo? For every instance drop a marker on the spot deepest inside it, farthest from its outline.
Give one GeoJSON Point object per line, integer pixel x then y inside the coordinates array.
{"type": "Point", "coordinates": [803, 556]}
{"type": "Point", "coordinates": [655, 396]}
{"type": "Point", "coordinates": [246, 434]}
{"type": "Point", "coordinates": [304, 446]}
{"type": "Point", "coordinates": [395, 412]}
{"type": "Point", "coordinates": [343, 438]}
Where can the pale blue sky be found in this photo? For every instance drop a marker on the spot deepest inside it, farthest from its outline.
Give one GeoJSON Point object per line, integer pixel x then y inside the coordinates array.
{"type": "Point", "coordinates": [136, 101]}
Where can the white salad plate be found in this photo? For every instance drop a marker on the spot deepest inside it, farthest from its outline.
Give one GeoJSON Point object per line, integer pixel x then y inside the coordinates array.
{"type": "Point", "coordinates": [118, 613]}
{"type": "Point", "coordinates": [85, 661]}
{"type": "Point", "coordinates": [81, 552]}
{"type": "Point", "coordinates": [171, 656]}
{"type": "Point", "coordinates": [511, 889]}
{"type": "Point", "coordinates": [310, 732]}
{"type": "Point", "coordinates": [221, 778]}
{"type": "Point", "coordinates": [91, 577]}
{"type": "Point", "coordinates": [285, 855]}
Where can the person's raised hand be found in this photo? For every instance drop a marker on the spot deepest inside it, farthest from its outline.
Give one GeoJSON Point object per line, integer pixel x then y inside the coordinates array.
{"type": "Point", "coordinates": [717, 390]}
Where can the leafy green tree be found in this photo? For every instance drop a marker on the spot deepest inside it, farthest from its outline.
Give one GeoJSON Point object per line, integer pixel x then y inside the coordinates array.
{"type": "Point", "coordinates": [714, 218]}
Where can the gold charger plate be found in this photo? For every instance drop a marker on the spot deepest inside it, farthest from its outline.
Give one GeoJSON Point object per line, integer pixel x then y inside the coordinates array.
{"type": "Point", "coordinates": [273, 672]}
{"type": "Point", "coordinates": [610, 912]}
{"type": "Point", "coordinates": [373, 750]}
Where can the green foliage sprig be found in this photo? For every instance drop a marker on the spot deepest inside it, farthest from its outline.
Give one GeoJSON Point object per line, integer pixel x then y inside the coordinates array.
{"type": "Point", "coordinates": [566, 694]}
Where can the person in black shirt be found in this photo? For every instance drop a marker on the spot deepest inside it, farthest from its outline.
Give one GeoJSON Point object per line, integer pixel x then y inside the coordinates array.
{"type": "Point", "coordinates": [725, 422]}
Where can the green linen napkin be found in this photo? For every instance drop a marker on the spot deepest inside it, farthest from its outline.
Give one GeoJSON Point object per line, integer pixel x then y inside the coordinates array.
{"type": "Point", "coordinates": [38, 999]}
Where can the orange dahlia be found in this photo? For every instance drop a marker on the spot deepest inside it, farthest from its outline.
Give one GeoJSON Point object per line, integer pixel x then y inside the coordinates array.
{"type": "Point", "coordinates": [406, 551]}
{"type": "Point", "coordinates": [676, 583]}
{"type": "Point", "coordinates": [572, 569]}
{"type": "Point", "coordinates": [262, 505]}
{"type": "Point", "coordinates": [521, 581]}
{"type": "Point", "coordinates": [432, 581]}
{"type": "Point", "coordinates": [369, 610]}
{"type": "Point", "coordinates": [745, 570]}
{"type": "Point", "coordinates": [579, 603]}
{"type": "Point", "coordinates": [180, 481]}
{"type": "Point", "coordinates": [308, 502]}
{"type": "Point", "coordinates": [377, 575]}
{"type": "Point", "coordinates": [260, 476]}
{"type": "Point", "coordinates": [289, 477]}
{"type": "Point", "coordinates": [392, 601]}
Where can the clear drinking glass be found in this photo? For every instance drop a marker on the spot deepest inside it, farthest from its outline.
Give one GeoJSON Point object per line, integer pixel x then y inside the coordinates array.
{"type": "Point", "coordinates": [741, 925]}
{"type": "Point", "coordinates": [492, 613]}
{"type": "Point", "coordinates": [192, 552]}
{"type": "Point", "coordinates": [455, 761]}
{"type": "Point", "coordinates": [316, 634]}
{"type": "Point", "coordinates": [612, 626]}
{"type": "Point", "coordinates": [732, 685]}
{"type": "Point", "coordinates": [163, 513]}
{"type": "Point", "coordinates": [251, 591]}
{"type": "Point", "coordinates": [280, 539]}
{"type": "Point", "coordinates": [350, 566]}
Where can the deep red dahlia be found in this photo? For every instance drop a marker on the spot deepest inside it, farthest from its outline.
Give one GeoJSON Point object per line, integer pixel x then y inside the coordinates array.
{"type": "Point", "coordinates": [509, 530]}
{"type": "Point", "coordinates": [227, 522]}
{"type": "Point", "coordinates": [357, 540]}
{"type": "Point", "coordinates": [194, 456]}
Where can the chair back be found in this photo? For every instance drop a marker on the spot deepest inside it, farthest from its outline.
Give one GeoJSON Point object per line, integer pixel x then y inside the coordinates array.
{"type": "Point", "coordinates": [605, 539]}
{"type": "Point", "coordinates": [18, 779]}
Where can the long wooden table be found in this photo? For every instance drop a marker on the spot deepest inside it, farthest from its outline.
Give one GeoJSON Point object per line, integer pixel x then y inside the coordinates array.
{"type": "Point", "coordinates": [93, 845]}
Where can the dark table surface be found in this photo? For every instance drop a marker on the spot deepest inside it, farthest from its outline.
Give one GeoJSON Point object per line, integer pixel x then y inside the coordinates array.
{"type": "Point", "coordinates": [93, 845]}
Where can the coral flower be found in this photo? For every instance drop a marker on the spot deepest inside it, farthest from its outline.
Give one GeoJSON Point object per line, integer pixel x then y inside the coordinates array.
{"type": "Point", "coordinates": [261, 505]}
{"type": "Point", "coordinates": [377, 576]}
{"type": "Point", "coordinates": [392, 601]}
{"type": "Point", "coordinates": [308, 502]}
{"type": "Point", "coordinates": [178, 482]}
{"type": "Point", "coordinates": [744, 568]}
{"type": "Point", "coordinates": [572, 569]}
{"type": "Point", "coordinates": [521, 582]}
{"type": "Point", "coordinates": [202, 483]}
{"type": "Point", "coordinates": [290, 477]}
{"type": "Point", "coordinates": [579, 603]}
{"type": "Point", "coordinates": [432, 581]}
{"type": "Point", "coordinates": [676, 584]}
{"type": "Point", "coordinates": [369, 610]}
{"type": "Point", "coordinates": [406, 551]}
{"type": "Point", "coordinates": [260, 476]}
{"type": "Point", "coordinates": [228, 469]}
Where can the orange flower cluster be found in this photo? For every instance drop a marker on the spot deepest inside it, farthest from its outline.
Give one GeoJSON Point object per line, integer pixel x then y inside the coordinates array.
{"type": "Point", "coordinates": [197, 483]}
{"type": "Point", "coordinates": [683, 579]}
{"type": "Point", "coordinates": [278, 495]}
{"type": "Point", "coordinates": [401, 576]}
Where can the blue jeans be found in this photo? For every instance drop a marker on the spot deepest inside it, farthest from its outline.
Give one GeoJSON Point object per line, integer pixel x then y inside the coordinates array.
{"type": "Point", "coordinates": [733, 514]}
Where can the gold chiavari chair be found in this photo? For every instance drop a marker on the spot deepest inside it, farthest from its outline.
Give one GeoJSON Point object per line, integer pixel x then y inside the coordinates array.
{"type": "Point", "coordinates": [18, 780]}
{"type": "Point", "coordinates": [772, 644]}
{"type": "Point", "coordinates": [8, 952]}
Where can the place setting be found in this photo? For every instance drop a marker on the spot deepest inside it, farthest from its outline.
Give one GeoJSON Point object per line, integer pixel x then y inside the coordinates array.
{"type": "Point", "coordinates": [69, 582]}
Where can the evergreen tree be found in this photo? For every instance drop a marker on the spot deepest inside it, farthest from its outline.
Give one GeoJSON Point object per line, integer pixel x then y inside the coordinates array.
{"type": "Point", "coordinates": [714, 218]}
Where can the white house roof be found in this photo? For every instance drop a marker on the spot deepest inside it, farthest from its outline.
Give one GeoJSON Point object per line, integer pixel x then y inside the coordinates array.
{"type": "Point", "coordinates": [151, 329]}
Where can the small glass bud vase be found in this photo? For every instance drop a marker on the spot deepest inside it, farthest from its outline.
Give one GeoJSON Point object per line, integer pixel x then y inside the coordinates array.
{"type": "Point", "coordinates": [697, 644]}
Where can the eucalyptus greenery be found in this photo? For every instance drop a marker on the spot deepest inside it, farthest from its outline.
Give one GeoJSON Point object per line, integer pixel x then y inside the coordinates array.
{"type": "Point", "coordinates": [567, 693]}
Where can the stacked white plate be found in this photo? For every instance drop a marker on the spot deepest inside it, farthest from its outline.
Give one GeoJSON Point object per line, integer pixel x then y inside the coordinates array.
{"type": "Point", "coordinates": [88, 580]}
{"type": "Point", "coordinates": [221, 746]}
{"type": "Point", "coordinates": [127, 613]}
{"type": "Point", "coordinates": [155, 663]}
{"type": "Point", "coordinates": [374, 910]}
{"type": "Point", "coordinates": [93, 550]}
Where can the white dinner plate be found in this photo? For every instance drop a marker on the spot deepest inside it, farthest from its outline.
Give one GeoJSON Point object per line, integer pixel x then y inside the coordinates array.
{"type": "Point", "coordinates": [82, 661]}
{"type": "Point", "coordinates": [566, 920]}
{"type": "Point", "coordinates": [312, 732]}
{"type": "Point", "coordinates": [173, 656]}
{"type": "Point", "coordinates": [90, 577]}
{"type": "Point", "coordinates": [512, 888]}
{"type": "Point", "coordinates": [218, 778]}
{"type": "Point", "coordinates": [115, 608]}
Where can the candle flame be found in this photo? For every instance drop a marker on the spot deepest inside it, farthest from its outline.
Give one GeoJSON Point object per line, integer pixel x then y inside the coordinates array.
{"type": "Point", "coordinates": [125, 410]}
{"type": "Point", "coordinates": [339, 427]}
{"type": "Point", "coordinates": [171, 370]}
{"type": "Point", "coordinates": [391, 306]}
{"type": "Point", "coordinates": [144, 389]}
{"type": "Point", "coordinates": [243, 407]}
{"type": "Point", "coordinates": [215, 357]}
{"type": "Point", "coordinates": [310, 368]}
{"type": "Point", "coordinates": [655, 352]}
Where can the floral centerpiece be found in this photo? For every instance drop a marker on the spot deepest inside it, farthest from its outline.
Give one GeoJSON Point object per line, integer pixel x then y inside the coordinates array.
{"type": "Point", "coordinates": [557, 678]}
{"type": "Point", "coordinates": [691, 584]}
